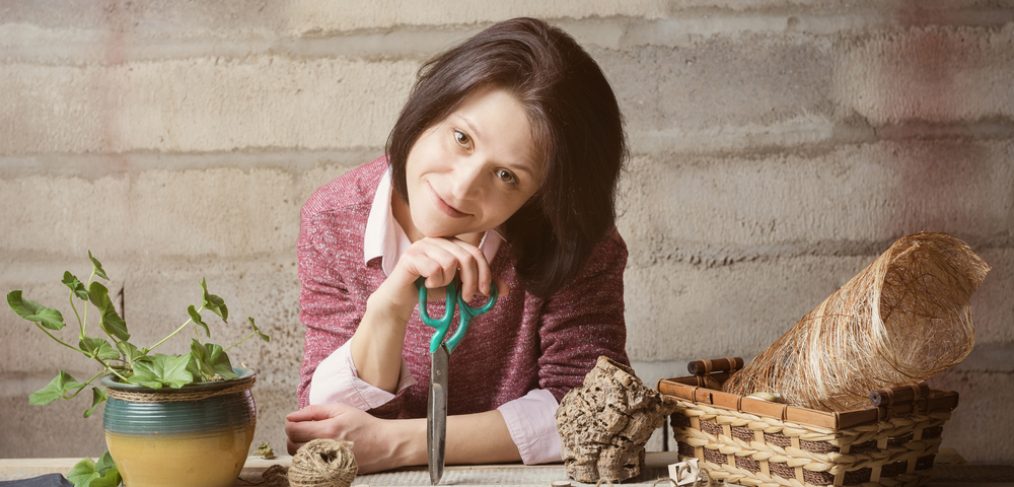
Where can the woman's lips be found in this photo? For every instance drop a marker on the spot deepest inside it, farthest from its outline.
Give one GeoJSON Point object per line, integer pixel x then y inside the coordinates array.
{"type": "Point", "coordinates": [446, 208]}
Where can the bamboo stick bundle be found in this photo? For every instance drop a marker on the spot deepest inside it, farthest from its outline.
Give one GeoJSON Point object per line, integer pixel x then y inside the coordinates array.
{"type": "Point", "coordinates": [904, 318]}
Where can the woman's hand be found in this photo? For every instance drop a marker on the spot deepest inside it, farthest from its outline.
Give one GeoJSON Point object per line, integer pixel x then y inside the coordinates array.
{"type": "Point", "coordinates": [438, 260]}
{"type": "Point", "coordinates": [376, 346]}
{"type": "Point", "coordinates": [383, 444]}
{"type": "Point", "coordinates": [378, 444]}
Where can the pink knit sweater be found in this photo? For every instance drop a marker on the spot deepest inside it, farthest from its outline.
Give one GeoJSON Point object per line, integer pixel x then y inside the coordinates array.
{"type": "Point", "coordinates": [524, 343]}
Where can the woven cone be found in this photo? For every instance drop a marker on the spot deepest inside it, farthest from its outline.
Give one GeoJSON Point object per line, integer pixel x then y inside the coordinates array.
{"type": "Point", "coordinates": [901, 320]}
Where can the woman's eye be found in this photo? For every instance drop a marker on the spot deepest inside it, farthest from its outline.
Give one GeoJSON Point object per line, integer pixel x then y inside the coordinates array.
{"type": "Point", "coordinates": [507, 176]}
{"type": "Point", "coordinates": [461, 138]}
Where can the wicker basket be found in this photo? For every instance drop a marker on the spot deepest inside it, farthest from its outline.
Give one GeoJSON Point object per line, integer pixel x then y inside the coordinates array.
{"type": "Point", "coordinates": [750, 441]}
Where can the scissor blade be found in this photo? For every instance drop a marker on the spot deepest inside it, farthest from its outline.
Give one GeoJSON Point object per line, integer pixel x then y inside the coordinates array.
{"type": "Point", "coordinates": [436, 414]}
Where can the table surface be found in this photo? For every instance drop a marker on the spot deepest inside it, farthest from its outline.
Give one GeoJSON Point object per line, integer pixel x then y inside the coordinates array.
{"type": "Point", "coordinates": [513, 474]}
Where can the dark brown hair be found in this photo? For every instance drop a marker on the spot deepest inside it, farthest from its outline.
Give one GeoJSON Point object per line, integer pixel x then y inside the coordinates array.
{"type": "Point", "coordinates": [576, 124]}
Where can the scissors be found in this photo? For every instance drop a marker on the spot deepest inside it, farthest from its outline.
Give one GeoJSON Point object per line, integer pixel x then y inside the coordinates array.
{"type": "Point", "coordinates": [440, 350]}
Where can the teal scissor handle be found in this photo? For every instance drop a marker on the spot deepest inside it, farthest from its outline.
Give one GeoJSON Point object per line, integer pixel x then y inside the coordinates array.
{"type": "Point", "coordinates": [465, 315]}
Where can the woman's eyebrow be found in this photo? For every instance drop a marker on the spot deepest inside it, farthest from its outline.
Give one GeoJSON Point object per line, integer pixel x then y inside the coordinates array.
{"type": "Point", "coordinates": [517, 166]}
{"type": "Point", "coordinates": [471, 127]}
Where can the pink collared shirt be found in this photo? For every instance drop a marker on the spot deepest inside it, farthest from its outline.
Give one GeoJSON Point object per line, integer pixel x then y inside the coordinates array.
{"type": "Point", "coordinates": [525, 354]}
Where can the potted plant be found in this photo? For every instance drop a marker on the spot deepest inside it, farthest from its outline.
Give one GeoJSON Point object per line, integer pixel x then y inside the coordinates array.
{"type": "Point", "coordinates": [170, 419]}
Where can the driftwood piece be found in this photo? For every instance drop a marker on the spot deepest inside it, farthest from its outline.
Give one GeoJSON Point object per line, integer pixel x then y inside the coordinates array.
{"type": "Point", "coordinates": [605, 423]}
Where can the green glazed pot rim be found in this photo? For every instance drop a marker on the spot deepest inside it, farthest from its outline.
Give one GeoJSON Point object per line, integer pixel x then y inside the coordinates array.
{"type": "Point", "coordinates": [242, 374]}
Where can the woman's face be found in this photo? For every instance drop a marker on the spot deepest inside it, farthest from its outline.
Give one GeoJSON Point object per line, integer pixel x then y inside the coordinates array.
{"type": "Point", "coordinates": [471, 171]}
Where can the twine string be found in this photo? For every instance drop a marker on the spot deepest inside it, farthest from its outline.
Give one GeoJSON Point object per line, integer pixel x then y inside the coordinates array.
{"type": "Point", "coordinates": [903, 319]}
{"type": "Point", "coordinates": [177, 395]}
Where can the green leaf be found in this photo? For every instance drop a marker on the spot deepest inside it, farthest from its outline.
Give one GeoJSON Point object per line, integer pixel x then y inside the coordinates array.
{"type": "Point", "coordinates": [196, 366]}
{"type": "Point", "coordinates": [111, 322]}
{"type": "Point", "coordinates": [196, 317]}
{"type": "Point", "coordinates": [253, 325]}
{"type": "Point", "coordinates": [62, 384]}
{"type": "Point", "coordinates": [98, 347]}
{"type": "Point", "coordinates": [71, 281]}
{"type": "Point", "coordinates": [35, 312]}
{"type": "Point", "coordinates": [83, 473]}
{"type": "Point", "coordinates": [105, 463]}
{"type": "Point", "coordinates": [87, 473]}
{"type": "Point", "coordinates": [157, 371]}
{"type": "Point", "coordinates": [214, 303]}
{"type": "Point", "coordinates": [97, 266]}
{"type": "Point", "coordinates": [111, 478]}
{"type": "Point", "coordinates": [143, 376]}
{"type": "Point", "coordinates": [210, 361]}
{"type": "Point", "coordinates": [129, 351]}
{"type": "Point", "coordinates": [98, 397]}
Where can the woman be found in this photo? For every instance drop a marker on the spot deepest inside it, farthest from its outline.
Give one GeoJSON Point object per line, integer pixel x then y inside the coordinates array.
{"type": "Point", "coordinates": [502, 167]}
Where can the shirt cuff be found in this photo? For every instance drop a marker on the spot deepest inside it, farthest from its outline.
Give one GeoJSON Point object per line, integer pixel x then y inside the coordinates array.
{"type": "Point", "coordinates": [531, 421]}
{"type": "Point", "coordinates": [337, 380]}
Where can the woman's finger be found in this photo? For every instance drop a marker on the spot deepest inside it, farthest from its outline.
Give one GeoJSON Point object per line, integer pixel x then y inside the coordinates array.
{"type": "Point", "coordinates": [305, 431]}
{"type": "Point", "coordinates": [418, 264]}
{"type": "Point", "coordinates": [309, 413]}
{"type": "Point", "coordinates": [467, 266]}
{"type": "Point", "coordinates": [485, 274]}
{"type": "Point", "coordinates": [446, 260]}
{"type": "Point", "coordinates": [300, 432]}
{"type": "Point", "coordinates": [429, 269]}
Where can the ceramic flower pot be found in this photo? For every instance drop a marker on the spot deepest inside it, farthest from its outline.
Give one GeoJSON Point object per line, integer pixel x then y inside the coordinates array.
{"type": "Point", "coordinates": [198, 435]}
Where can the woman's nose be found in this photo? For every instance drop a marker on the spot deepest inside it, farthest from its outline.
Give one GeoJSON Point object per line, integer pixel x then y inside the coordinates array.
{"type": "Point", "coordinates": [465, 181]}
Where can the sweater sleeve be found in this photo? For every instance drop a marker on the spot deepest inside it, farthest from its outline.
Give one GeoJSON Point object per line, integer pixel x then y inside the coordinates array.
{"type": "Point", "coordinates": [337, 380]}
{"type": "Point", "coordinates": [324, 305]}
{"type": "Point", "coordinates": [531, 422]}
{"type": "Point", "coordinates": [329, 315]}
{"type": "Point", "coordinates": [585, 320]}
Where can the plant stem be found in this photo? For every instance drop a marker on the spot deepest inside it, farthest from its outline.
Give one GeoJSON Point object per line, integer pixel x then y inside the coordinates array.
{"type": "Point", "coordinates": [76, 315]}
{"type": "Point", "coordinates": [177, 330]}
{"type": "Point", "coordinates": [130, 360]}
{"type": "Point", "coordinates": [105, 366]}
{"type": "Point", "coordinates": [57, 340]}
{"type": "Point", "coordinates": [85, 384]}
{"type": "Point", "coordinates": [241, 341]}
{"type": "Point", "coordinates": [78, 350]}
{"type": "Point", "coordinates": [116, 342]}
{"type": "Point", "coordinates": [88, 286]}
{"type": "Point", "coordinates": [110, 369]}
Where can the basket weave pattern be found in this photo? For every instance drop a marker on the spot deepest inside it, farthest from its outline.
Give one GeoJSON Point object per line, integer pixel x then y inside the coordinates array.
{"type": "Point", "coordinates": [746, 449]}
{"type": "Point", "coordinates": [752, 441]}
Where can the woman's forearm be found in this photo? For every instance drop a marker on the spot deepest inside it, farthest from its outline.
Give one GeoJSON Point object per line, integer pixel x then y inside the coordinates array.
{"type": "Point", "coordinates": [471, 439]}
{"type": "Point", "coordinates": [376, 345]}
{"type": "Point", "coordinates": [480, 438]}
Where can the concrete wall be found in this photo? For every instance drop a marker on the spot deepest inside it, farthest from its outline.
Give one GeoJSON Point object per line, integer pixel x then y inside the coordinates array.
{"type": "Point", "coordinates": [777, 147]}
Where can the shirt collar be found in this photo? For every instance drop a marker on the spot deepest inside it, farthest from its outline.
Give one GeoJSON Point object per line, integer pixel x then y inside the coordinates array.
{"type": "Point", "coordinates": [386, 239]}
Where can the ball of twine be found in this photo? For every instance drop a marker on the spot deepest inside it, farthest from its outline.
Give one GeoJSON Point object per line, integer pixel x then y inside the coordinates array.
{"type": "Point", "coordinates": [323, 463]}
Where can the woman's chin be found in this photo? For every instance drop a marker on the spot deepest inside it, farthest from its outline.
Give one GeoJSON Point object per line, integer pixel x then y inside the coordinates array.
{"type": "Point", "coordinates": [438, 231]}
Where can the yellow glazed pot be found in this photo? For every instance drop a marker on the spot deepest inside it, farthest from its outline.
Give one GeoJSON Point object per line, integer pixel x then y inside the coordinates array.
{"type": "Point", "coordinates": [198, 435]}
